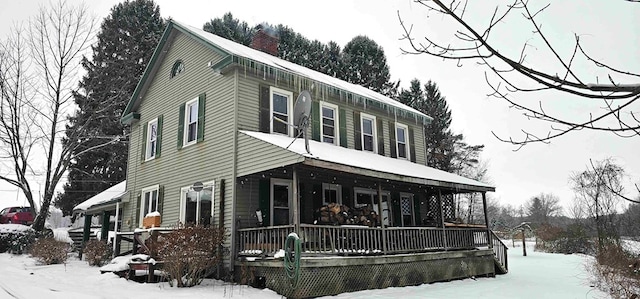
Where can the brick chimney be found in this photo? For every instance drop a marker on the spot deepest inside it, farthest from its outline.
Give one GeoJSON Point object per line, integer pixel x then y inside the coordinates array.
{"type": "Point", "coordinates": [265, 39]}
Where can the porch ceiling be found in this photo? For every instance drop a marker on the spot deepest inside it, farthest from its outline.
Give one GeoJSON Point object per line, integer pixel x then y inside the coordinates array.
{"type": "Point", "coordinates": [337, 158]}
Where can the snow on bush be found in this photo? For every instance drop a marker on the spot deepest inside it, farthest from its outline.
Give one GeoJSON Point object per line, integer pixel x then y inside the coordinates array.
{"type": "Point", "coordinates": [97, 253]}
{"type": "Point", "coordinates": [50, 251]}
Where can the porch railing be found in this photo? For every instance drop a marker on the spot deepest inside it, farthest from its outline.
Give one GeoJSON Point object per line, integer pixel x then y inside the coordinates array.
{"type": "Point", "coordinates": [356, 240]}
{"type": "Point", "coordinates": [500, 252]}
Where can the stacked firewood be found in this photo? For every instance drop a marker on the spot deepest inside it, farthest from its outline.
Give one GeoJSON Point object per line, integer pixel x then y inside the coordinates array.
{"type": "Point", "coordinates": [337, 214]}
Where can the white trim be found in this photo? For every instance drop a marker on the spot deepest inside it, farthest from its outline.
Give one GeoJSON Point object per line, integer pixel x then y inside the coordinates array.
{"type": "Point", "coordinates": [183, 202]}
{"type": "Point", "coordinates": [336, 122]}
{"type": "Point", "coordinates": [280, 182]}
{"type": "Point", "coordinates": [289, 96]}
{"type": "Point", "coordinates": [147, 151]}
{"type": "Point", "coordinates": [372, 118]}
{"type": "Point", "coordinates": [406, 141]}
{"type": "Point", "coordinates": [412, 204]}
{"type": "Point", "coordinates": [386, 205]}
{"type": "Point", "coordinates": [185, 137]}
{"type": "Point", "coordinates": [337, 187]}
{"type": "Point", "coordinates": [149, 189]}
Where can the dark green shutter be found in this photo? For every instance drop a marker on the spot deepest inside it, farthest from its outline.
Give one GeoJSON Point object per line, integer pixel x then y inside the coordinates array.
{"type": "Point", "coordinates": [346, 197]}
{"type": "Point", "coordinates": [202, 99]}
{"type": "Point", "coordinates": [357, 134]}
{"type": "Point", "coordinates": [160, 199]}
{"type": "Point", "coordinates": [315, 121]}
{"type": "Point", "coordinates": [264, 201]}
{"type": "Point", "coordinates": [159, 136]}
{"type": "Point", "coordinates": [136, 217]}
{"type": "Point", "coordinates": [395, 209]}
{"type": "Point", "coordinates": [144, 142]}
{"type": "Point", "coordinates": [265, 107]}
{"type": "Point", "coordinates": [342, 123]}
{"type": "Point", "coordinates": [412, 145]}
{"type": "Point", "coordinates": [416, 210]}
{"type": "Point", "coordinates": [181, 126]}
{"type": "Point", "coordinates": [380, 137]}
{"type": "Point", "coordinates": [392, 139]}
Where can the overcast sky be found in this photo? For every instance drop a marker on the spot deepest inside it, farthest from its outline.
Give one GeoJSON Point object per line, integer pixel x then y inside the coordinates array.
{"type": "Point", "coordinates": [607, 28]}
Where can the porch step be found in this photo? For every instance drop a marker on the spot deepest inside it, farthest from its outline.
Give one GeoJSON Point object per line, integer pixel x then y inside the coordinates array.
{"type": "Point", "coordinates": [76, 236]}
{"type": "Point", "coordinates": [499, 267]}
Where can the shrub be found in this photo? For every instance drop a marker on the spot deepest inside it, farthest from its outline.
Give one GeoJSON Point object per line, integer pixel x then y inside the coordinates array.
{"type": "Point", "coordinates": [189, 253]}
{"type": "Point", "coordinates": [17, 241]}
{"type": "Point", "coordinates": [97, 253]}
{"type": "Point", "coordinates": [614, 272]}
{"type": "Point", "coordinates": [49, 251]}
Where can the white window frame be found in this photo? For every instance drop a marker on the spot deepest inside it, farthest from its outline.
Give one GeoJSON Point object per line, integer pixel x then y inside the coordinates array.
{"type": "Point", "coordinates": [406, 141]}
{"type": "Point", "coordinates": [412, 205]}
{"type": "Point", "coordinates": [143, 192]}
{"type": "Point", "coordinates": [150, 152]}
{"type": "Point", "coordinates": [280, 182]}
{"type": "Point", "coordinates": [336, 124]}
{"type": "Point", "coordinates": [289, 96]}
{"type": "Point", "coordinates": [336, 187]}
{"type": "Point", "coordinates": [386, 206]}
{"type": "Point", "coordinates": [183, 201]}
{"type": "Point", "coordinates": [364, 116]}
{"type": "Point", "coordinates": [185, 137]}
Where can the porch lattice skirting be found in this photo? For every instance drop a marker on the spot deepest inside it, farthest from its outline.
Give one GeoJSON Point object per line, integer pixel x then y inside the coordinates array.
{"type": "Point", "coordinates": [322, 276]}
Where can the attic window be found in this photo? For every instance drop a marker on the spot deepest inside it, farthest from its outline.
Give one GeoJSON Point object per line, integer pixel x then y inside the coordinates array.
{"type": "Point", "coordinates": [178, 67]}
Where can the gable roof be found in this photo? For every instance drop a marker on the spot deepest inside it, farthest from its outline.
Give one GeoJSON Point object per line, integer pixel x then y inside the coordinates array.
{"type": "Point", "coordinates": [238, 54]}
{"type": "Point", "coordinates": [111, 195]}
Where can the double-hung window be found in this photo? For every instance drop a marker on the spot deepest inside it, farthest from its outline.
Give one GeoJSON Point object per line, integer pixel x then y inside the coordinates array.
{"type": "Point", "coordinates": [368, 125]}
{"type": "Point", "coordinates": [149, 202]}
{"type": "Point", "coordinates": [369, 197]}
{"type": "Point", "coordinates": [402, 143]}
{"type": "Point", "coordinates": [329, 117]}
{"type": "Point", "coordinates": [281, 107]}
{"type": "Point", "coordinates": [331, 193]}
{"type": "Point", "coordinates": [196, 207]}
{"type": "Point", "coordinates": [191, 122]}
{"type": "Point", "coordinates": [152, 139]}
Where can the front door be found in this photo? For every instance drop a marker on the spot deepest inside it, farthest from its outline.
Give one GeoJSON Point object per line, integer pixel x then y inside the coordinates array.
{"type": "Point", "coordinates": [281, 196]}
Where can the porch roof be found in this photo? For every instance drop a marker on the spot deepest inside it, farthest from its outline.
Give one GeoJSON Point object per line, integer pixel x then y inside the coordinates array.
{"type": "Point", "coordinates": [103, 200]}
{"type": "Point", "coordinates": [337, 158]}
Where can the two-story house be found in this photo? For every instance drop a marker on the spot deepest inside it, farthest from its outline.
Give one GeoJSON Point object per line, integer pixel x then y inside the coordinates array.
{"type": "Point", "coordinates": [211, 111]}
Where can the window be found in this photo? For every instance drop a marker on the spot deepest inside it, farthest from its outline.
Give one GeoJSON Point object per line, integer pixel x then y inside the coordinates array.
{"type": "Point", "coordinates": [197, 207]}
{"type": "Point", "coordinates": [402, 145]}
{"type": "Point", "coordinates": [149, 201]}
{"type": "Point", "coordinates": [406, 209]}
{"type": "Point", "coordinates": [178, 67]}
{"type": "Point", "coordinates": [331, 193]}
{"type": "Point", "coordinates": [368, 124]}
{"type": "Point", "coordinates": [191, 122]}
{"type": "Point", "coordinates": [328, 129]}
{"type": "Point", "coordinates": [281, 194]}
{"type": "Point", "coordinates": [152, 139]}
{"type": "Point", "coordinates": [281, 109]}
{"type": "Point", "coordinates": [365, 197]}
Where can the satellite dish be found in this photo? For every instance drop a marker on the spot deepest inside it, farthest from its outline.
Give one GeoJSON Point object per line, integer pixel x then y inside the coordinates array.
{"type": "Point", "coordinates": [301, 113]}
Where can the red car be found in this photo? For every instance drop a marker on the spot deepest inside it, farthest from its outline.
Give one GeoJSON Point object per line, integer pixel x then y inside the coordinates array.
{"type": "Point", "coordinates": [17, 215]}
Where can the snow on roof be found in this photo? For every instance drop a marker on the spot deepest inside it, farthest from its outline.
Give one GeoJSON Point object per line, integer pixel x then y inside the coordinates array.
{"type": "Point", "coordinates": [114, 192]}
{"type": "Point", "coordinates": [366, 160]}
{"type": "Point", "coordinates": [275, 62]}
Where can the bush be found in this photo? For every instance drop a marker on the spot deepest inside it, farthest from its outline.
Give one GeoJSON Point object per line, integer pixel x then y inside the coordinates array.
{"type": "Point", "coordinates": [49, 251]}
{"type": "Point", "coordinates": [189, 253]}
{"type": "Point", "coordinates": [572, 240]}
{"type": "Point", "coordinates": [97, 253]}
{"type": "Point", "coordinates": [17, 241]}
{"type": "Point", "coordinates": [614, 272]}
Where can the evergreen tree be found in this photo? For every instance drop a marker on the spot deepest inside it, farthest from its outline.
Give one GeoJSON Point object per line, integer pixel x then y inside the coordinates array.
{"type": "Point", "coordinates": [365, 64]}
{"type": "Point", "coordinates": [126, 41]}
{"type": "Point", "coordinates": [230, 28]}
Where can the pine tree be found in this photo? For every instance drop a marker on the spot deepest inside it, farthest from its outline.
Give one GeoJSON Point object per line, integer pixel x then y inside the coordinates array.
{"type": "Point", "coordinates": [230, 28]}
{"type": "Point", "coordinates": [365, 64]}
{"type": "Point", "coordinates": [126, 41]}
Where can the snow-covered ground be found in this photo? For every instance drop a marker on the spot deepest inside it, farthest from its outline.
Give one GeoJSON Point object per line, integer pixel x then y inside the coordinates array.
{"type": "Point", "coordinates": [539, 275]}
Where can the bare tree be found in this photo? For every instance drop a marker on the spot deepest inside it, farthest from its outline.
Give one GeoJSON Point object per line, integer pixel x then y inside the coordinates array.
{"type": "Point", "coordinates": [38, 74]}
{"type": "Point", "coordinates": [542, 207]}
{"type": "Point", "coordinates": [596, 191]}
{"type": "Point", "coordinates": [509, 75]}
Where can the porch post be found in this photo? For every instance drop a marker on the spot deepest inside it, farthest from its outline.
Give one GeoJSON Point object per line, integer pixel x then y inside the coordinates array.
{"type": "Point", "coordinates": [486, 219]}
{"type": "Point", "coordinates": [85, 233]}
{"type": "Point", "coordinates": [115, 229]}
{"type": "Point", "coordinates": [444, 233]}
{"type": "Point", "coordinates": [296, 202]}
{"type": "Point", "coordinates": [104, 229]}
{"type": "Point", "coordinates": [384, 230]}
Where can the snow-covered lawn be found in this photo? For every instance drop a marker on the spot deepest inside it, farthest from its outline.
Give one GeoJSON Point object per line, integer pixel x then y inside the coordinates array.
{"type": "Point", "coordinates": [539, 275]}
